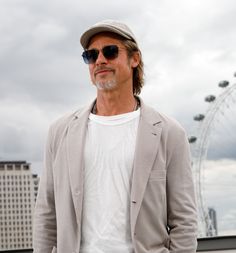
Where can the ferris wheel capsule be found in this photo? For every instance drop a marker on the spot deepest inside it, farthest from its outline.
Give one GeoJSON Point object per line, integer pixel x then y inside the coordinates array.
{"type": "Point", "coordinates": [192, 139]}
{"type": "Point", "coordinates": [210, 98]}
{"type": "Point", "coordinates": [199, 117]}
{"type": "Point", "coordinates": [223, 84]}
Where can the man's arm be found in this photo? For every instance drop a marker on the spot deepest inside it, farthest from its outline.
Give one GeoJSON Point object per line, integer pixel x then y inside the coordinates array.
{"type": "Point", "coordinates": [44, 231]}
{"type": "Point", "coordinates": [181, 206]}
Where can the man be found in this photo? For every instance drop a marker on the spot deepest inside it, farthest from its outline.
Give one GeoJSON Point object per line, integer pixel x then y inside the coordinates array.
{"type": "Point", "coordinates": [117, 176]}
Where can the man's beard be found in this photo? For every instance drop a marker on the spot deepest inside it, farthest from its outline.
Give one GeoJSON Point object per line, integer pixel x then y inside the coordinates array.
{"type": "Point", "coordinates": [106, 85]}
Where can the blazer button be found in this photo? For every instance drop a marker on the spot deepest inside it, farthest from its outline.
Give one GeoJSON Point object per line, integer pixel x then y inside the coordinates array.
{"type": "Point", "coordinates": [77, 192]}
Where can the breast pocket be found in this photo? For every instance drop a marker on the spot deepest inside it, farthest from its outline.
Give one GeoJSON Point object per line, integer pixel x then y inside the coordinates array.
{"type": "Point", "coordinates": [157, 175]}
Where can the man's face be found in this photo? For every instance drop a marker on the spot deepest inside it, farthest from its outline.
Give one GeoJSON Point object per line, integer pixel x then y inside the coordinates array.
{"type": "Point", "coordinates": [111, 74]}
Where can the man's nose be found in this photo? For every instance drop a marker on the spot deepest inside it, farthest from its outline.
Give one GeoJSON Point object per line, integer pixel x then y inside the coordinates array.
{"type": "Point", "coordinates": [101, 59]}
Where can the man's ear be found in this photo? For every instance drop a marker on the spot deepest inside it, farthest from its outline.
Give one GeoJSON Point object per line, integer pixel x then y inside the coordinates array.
{"type": "Point", "coordinates": [135, 59]}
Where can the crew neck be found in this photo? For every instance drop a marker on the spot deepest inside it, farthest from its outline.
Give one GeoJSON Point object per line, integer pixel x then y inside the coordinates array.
{"type": "Point", "coordinates": [114, 119]}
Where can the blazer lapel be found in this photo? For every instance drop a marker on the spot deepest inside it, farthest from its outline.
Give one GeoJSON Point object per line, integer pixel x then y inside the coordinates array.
{"type": "Point", "coordinates": [75, 147]}
{"type": "Point", "coordinates": [148, 139]}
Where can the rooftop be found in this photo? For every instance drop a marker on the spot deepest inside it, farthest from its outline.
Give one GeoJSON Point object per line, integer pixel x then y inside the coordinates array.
{"type": "Point", "coordinates": [13, 162]}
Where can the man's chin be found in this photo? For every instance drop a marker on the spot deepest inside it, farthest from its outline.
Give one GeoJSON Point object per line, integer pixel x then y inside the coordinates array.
{"type": "Point", "coordinates": [105, 85]}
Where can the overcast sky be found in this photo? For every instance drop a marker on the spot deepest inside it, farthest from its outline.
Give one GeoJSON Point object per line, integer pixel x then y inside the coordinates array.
{"type": "Point", "coordinates": [188, 47]}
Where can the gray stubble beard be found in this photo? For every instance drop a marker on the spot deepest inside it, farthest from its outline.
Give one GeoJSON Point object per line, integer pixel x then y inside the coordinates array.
{"type": "Point", "coordinates": [106, 85]}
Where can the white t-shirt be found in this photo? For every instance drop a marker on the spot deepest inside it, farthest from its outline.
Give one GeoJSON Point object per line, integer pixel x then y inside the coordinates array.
{"type": "Point", "coordinates": [108, 157]}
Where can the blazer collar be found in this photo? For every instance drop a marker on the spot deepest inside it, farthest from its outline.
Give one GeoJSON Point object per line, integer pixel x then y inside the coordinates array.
{"type": "Point", "coordinates": [75, 142]}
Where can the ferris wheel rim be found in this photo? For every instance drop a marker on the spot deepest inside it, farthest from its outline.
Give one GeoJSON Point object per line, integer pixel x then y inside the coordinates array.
{"type": "Point", "coordinates": [202, 145]}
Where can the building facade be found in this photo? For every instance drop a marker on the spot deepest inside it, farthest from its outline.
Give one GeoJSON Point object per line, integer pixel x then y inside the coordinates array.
{"type": "Point", "coordinates": [213, 218]}
{"type": "Point", "coordinates": [18, 190]}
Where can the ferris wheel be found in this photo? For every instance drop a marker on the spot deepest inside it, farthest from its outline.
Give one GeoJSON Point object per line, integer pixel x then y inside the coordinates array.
{"type": "Point", "coordinates": [200, 144]}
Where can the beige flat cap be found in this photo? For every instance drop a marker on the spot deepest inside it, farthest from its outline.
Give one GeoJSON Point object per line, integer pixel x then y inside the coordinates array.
{"type": "Point", "coordinates": [107, 26]}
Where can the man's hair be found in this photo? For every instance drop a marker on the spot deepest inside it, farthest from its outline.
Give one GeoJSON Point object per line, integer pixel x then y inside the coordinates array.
{"type": "Point", "coordinates": [138, 72]}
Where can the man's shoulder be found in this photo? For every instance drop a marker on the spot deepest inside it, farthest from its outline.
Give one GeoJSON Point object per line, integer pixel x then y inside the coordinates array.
{"type": "Point", "coordinates": [63, 120]}
{"type": "Point", "coordinates": [167, 122]}
{"type": "Point", "coordinates": [61, 123]}
{"type": "Point", "coordinates": [172, 131]}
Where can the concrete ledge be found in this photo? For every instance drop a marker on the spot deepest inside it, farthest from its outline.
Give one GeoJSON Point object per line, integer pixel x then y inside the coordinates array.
{"type": "Point", "coordinates": [217, 243]}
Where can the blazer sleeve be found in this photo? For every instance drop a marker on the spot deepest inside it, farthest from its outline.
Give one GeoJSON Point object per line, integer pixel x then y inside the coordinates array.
{"type": "Point", "coordinates": [44, 229]}
{"type": "Point", "coordinates": [181, 204]}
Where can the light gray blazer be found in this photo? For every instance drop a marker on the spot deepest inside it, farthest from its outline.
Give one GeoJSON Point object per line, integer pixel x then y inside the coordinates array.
{"type": "Point", "coordinates": [162, 207]}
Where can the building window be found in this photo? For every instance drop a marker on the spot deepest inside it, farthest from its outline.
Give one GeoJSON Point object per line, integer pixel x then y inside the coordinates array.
{"type": "Point", "coordinates": [26, 167]}
{"type": "Point", "coordinates": [10, 167]}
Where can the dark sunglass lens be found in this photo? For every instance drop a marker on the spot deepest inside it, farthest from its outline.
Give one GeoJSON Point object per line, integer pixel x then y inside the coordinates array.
{"type": "Point", "coordinates": [90, 56]}
{"type": "Point", "coordinates": [110, 52]}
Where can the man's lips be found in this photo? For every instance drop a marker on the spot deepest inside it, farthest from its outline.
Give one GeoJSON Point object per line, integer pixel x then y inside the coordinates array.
{"type": "Point", "coordinates": [103, 71]}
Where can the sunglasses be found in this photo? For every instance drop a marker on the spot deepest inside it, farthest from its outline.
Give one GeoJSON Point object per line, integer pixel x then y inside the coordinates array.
{"type": "Point", "coordinates": [109, 52]}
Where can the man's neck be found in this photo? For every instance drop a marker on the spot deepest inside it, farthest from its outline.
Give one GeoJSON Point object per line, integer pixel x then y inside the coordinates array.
{"type": "Point", "coordinates": [114, 103]}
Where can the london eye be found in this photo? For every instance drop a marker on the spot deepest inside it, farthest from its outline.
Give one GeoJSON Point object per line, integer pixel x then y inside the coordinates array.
{"type": "Point", "coordinates": [200, 142]}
